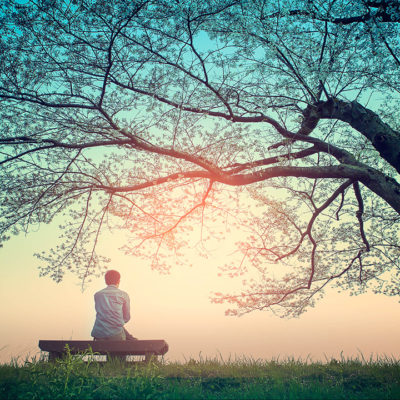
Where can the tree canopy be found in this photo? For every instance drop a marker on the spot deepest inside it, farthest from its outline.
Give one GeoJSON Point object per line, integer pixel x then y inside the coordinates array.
{"type": "Point", "coordinates": [160, 117]}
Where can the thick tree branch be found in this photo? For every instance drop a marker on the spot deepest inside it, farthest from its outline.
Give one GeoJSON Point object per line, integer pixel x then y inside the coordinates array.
{"type": "Point", "coordinates": [37, 99]}
{"type": "Point", "coordinates": [385, 139]}
{"type": "Point", "coordinates": [382, 14]}
{"type": "Point", "coordinates": [271, 160]}
{"type": "Point", "coordinates": [384, 187]}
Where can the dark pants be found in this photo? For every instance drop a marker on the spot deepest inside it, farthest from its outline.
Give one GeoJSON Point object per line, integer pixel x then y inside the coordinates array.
{"type": "Point", "coordinates": [124, 335]}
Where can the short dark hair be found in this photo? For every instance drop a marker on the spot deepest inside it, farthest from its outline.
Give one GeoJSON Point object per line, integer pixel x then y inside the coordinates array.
{"type": "Point", "coordinates": [112, 277]}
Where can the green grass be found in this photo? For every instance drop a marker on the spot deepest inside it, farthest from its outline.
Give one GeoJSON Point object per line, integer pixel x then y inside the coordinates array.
{"type": "Point", "coordinates": [72, 378]}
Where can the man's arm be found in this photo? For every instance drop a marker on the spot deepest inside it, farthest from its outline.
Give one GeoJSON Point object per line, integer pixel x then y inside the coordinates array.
{"type": "Point", "coordinates": [126, 309]}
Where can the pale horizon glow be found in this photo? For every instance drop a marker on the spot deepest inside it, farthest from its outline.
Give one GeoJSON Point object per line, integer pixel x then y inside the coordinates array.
{"type": "Point", "coordinates": [177, 308]}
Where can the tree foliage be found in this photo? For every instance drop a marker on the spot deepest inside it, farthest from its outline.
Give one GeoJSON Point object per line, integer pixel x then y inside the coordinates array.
{"type": "Point", "coordinates": [160, 117]}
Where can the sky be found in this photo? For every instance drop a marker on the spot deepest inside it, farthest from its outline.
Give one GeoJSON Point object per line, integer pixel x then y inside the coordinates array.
{"type": "Point", "coordinates": [177, 308]}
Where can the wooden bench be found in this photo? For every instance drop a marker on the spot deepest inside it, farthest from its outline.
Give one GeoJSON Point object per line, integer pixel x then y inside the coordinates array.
{"type": "Point", "coordinates": [120, 349]}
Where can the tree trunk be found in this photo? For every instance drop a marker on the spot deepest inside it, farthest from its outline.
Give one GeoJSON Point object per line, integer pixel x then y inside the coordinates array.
{"type": "Point", "coordinates": [385, 139]}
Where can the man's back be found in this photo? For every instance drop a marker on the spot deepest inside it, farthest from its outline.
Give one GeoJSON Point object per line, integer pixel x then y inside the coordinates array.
{"type": "Point", "coordinates": [112, 312]}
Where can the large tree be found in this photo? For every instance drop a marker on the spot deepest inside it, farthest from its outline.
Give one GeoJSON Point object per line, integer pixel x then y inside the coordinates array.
{"type": "Point", "coordinates": [160, 117]}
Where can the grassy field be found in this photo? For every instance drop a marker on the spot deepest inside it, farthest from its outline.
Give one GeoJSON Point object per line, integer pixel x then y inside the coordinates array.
{"type": "Point", "coordinates": [72, 378]}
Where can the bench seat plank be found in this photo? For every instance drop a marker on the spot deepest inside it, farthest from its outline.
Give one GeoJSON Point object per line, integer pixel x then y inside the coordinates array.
{"type": "Point", "coordinates": [120, 347]}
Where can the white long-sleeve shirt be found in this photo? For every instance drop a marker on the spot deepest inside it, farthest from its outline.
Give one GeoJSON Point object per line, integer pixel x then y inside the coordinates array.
{"type": "Point", "coordinates": [112, 311]}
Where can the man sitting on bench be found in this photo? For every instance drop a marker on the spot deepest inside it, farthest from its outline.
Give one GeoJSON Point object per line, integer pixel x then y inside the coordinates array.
{"type": "Point", "coordinates": [112, 310]}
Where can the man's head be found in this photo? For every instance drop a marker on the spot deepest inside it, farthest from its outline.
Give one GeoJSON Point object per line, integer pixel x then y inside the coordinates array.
{"type": "Point", "coordinates": [112, 277]}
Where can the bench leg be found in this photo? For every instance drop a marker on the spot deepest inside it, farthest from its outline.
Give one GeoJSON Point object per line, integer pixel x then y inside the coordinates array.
{"type": "Point", "coordinates": [150, 356]}
{"type": "Point", "coordinates": [54, 355]}
{"type": "Point", "coordinates": [116, 356]}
